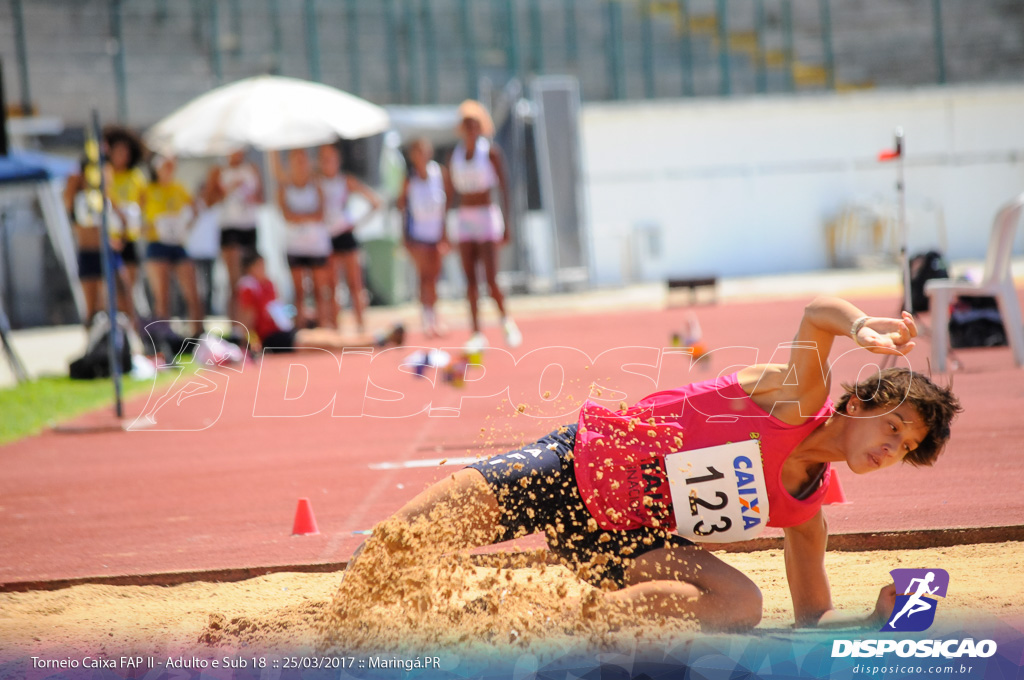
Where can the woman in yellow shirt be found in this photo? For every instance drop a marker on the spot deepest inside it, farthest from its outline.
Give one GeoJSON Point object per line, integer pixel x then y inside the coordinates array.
{"type": "Point", "coordinates": [167, 209]}
{"type": "Point", "coordinates": [125, 152]}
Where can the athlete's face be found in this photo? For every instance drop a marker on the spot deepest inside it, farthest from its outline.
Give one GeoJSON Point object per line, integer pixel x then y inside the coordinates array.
{"type": "Point", "coordinates": [330, 160]}
{"type": "Point", "coordinates": [880, 437]}
{"type": "Point", "coordinates": [258, 270]}
{"type": "Point", "coordinates": [298, 163]}
{"type": "Point", "coordinates": [165, 170]}
{"type": "Point", "coordinates": [470, 128]}
{"type": "Point", "coordinates": [120, 154]}
{"type": "Point", "coordinates": [420, 154]}
{"type": "Point", "coordinates": [236, 158]}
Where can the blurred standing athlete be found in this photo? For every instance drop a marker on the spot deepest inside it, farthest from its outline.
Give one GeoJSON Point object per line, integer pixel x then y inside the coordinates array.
{"type": "Point", "coordinates": [477, 168]}
{"type": "Point", "coordinates": [240, 190]}
{"type": "Point", "coordinates": [168, 209]}
{"type": "Point", "coordinates": [309, 245]}
{"type": "Point", "coordinates": [85, 219]}
{"type": "Point", "coordinates": [128, 181]}
{"type": "Point", "coordinates": [337, 188]}
{"type": "Point", "coordinates": [425, 201]}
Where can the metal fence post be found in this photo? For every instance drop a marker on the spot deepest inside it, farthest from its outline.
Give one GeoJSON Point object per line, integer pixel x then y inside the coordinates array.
{"type": "Point", "coordinates": [940, 43]}
{"type": "Point", "coordinates": [352, 45]}
{"type": "Point", "coordinates": [215, 60]}
{"type": "Point", "coordinates": [572, 53]}
{"type": "Point", "coordinates": [391, 45]}
{"type": "Point", "coordinates": [120, 84]}
{"type": "Point", "coordinates": [276, 40]}
{"type": "Point", "coordinates": [512, 39]}
{"type": "Point", "coordinates": [615, 56]}
{"type": "Point", "coordinates": [647, 48]}
{"type": "Point", "coordinates": [536, 38]}
{"type": "Point", "coordinates": [430, 47]}
{"type": "Point", "coordinates": [469, 49]}
{"type": "Point", "coordinates": [686, 48]}
{"type": "Point", "coordinates": [411, 52]}
{"type": "Point", "coordinates": [236, 26]}
{"type": "Point", "coordinates": [22, 51]}
{"type": "Point", "coordinates": [725, 83]}
{"type": "Point", "coordinates": [826, 44]}
{"type": "Point", "coordinates": [312, 40]}
{"type": "Point", "coordinates": [196, 7]}
{"type": "Point", "coordinates": [787, 35]}
{"type": "Point", "coordinates": [762, 71]}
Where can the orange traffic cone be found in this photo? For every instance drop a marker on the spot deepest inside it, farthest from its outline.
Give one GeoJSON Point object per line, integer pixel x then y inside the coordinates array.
{"type": "Point", "coordinates": [834, 494]}
{"type": "Point", "coordinates": [305, 523]}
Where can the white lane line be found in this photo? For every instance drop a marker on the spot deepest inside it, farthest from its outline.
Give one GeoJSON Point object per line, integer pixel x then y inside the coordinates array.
{"type": "Point", "coordinates": [429, 462]}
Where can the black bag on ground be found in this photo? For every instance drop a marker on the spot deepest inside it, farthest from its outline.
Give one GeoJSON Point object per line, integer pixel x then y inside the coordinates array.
{"type": "Point", "coordinates": [95, 363]}
{"type": "Point", "coordinates": [975, 322]}
{"type": "Point", "coordinates": [924, 267]}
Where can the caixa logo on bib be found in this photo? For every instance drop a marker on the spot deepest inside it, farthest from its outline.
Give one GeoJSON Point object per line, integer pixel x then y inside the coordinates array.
{"type": "Point", "coordinates": [916, 590]}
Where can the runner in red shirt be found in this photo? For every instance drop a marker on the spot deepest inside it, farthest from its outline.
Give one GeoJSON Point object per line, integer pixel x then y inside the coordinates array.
{"type": "Point", "coordinates": [624, 498]}
{"type": "Point", "coordinates": [271, 328]}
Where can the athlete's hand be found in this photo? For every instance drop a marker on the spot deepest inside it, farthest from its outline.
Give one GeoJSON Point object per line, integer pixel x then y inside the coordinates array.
{"type": "Point", "coordinates": [883, 335]}
{"type": "Point", "coordinates": [885, 604]}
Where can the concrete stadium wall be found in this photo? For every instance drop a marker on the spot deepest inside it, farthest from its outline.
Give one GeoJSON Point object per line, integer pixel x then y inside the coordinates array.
{"type": "Point", "coordinates": [742, 187]}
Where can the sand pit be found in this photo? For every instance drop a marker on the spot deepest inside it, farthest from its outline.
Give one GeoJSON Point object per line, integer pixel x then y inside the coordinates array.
{"type": "Point", "coordinates": [539, 608]}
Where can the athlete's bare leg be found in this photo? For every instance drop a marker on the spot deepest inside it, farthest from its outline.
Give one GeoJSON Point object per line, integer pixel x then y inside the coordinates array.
{"type": "Point", "coordinates": [689, 582]}
{"type": "Point", "coordinates": [457, 513]}
{"type": "Point", "coordinates": [469, 251]}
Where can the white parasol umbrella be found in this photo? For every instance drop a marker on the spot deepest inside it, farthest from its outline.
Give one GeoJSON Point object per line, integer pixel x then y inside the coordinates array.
{"type": "Point", "coordinates": [268, 113]}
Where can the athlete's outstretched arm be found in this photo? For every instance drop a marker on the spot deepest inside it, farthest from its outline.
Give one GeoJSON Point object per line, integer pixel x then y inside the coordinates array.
{"type": "Point", "coordinates": [825, 319]}
{"type": "Point", "coordinates": [808, 583]}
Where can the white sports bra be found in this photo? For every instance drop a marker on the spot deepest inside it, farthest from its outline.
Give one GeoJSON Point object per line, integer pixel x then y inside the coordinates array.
{"type": "Point", "coordinates": [304, 200]}
{"type": "Point", "coordinates": [476, 174]}
{"type": "Point", "coordinates": [427, 200]}
{"type": "Point", "coordinates": [237, 208]}
{"type": "Point", "coordinates": [335, 190]}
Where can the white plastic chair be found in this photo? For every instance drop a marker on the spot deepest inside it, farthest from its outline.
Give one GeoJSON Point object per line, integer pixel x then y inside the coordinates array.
{"type": "Point", "coordinates": [997, 281]}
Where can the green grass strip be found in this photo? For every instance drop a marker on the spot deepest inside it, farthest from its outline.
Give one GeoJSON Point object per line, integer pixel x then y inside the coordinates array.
{"type": "Point", "coordinates": [31, 407]}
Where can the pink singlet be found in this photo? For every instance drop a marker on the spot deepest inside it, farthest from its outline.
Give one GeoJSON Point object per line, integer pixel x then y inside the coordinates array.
{"type": "Point", "coordinates": [619, 457]}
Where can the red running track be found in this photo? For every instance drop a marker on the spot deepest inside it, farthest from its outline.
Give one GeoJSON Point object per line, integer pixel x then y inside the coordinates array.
{"type": "Point", "coordinates": [181, 497]}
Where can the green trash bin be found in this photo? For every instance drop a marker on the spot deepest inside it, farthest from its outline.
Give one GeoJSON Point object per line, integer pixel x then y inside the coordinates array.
{"type": "Point", "coordinates": [385, 271]}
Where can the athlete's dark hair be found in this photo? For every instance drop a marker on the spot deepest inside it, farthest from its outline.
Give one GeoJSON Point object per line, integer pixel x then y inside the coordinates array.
{"type": "Point", "coordinates": [250, 257]}
{"type": "Point", "coordinates": [890, 387]}
{"type": "Point", "coordinates": [118, 134]}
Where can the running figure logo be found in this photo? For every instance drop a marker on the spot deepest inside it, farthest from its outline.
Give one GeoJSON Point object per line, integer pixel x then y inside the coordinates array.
{"type": "Point", "coordinates": [915, 600]}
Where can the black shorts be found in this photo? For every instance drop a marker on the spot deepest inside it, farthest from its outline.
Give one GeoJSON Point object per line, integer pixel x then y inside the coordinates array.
{"type": "Point", "coordinates": [130, 252]}
{"type": "Point", "coordinates": [90, 264]}
{"type": "Point", "coordinates": [233, 236]}
{"type": "Point", "coordinates": [306, 262]}
{"type": "Point", "coordinates": [537, 492]}
{"type": "Point", "coordinates": [344, 242]}
{"type": "Point", "coordinates": [164, 252]}
{"type": "Point", "coordinates": [279, 342]}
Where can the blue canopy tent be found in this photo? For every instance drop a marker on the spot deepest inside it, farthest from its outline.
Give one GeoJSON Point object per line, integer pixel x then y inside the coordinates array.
{"type": "Point", "coordinates": [30, 166]}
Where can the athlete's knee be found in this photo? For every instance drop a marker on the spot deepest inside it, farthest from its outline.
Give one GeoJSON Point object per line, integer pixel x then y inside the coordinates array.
{"type": "Point", "coordinates": [745, 607]}
{"type": "Point", "coordinates": [738, 604]}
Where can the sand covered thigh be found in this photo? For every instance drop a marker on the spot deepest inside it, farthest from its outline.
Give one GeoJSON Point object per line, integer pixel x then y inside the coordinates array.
{"type": "Point", "coordinates": [468, 605]}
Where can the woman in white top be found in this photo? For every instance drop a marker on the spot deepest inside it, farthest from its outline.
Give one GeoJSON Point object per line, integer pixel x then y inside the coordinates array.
{"type": "Point", "coordinates": [203, 245]}
{"type": "Point", "coordinates": [308, 243]}
{"type": "Point", "coordinates": [477, 168]}
{"type": "Point", "coordinates": [239, 192]}
{"type": "Point", "coordinates": [84, 208]}
{"type": "Point", "coordinates": [425, 200]}
{"type": "Point", "coordinates": [338, 187]}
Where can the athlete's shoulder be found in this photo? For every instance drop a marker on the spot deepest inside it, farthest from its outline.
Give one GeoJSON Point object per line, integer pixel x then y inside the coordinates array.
{"type": "Point", "coordinates": [761, 379]}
